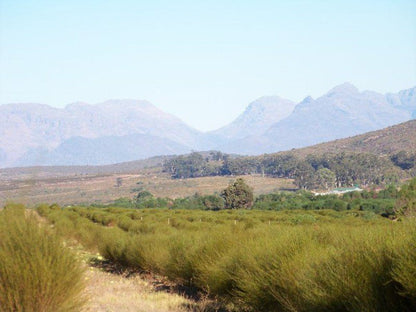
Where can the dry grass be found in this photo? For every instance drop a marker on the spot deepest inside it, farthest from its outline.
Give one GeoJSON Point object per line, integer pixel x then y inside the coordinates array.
{"type": "Point", "coordinates": [78, 189]}
{"type": "Point", "coordinates": [112, 292]}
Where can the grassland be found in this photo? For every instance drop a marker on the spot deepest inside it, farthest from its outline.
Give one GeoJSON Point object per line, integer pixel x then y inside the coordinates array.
{"type": "Point", "coordinates": [259, 260]}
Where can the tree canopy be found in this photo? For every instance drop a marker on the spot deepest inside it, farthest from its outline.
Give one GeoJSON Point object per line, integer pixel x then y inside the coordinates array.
{"type": "Point", "coordinates": [238, 195]}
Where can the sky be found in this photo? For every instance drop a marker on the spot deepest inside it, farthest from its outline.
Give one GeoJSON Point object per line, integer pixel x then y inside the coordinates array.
{"type": "Point", "coordinates": [203, 61]}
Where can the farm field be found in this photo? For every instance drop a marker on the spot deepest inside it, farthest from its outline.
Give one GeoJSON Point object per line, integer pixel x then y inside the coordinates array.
{"type": "Point", "coordinates": [43, 272]}
{"type": "Point", "coordinates": [258, 260]}
{"type": "Point", "coordinates": [291, 251]}
{"type": "Point", "coordinates": [94, 188]}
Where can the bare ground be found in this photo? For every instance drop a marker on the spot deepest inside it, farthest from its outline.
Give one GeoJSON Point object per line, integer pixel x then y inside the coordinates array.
{"type": "Point", "coordinates": [111, 288]}
{"type": "Point", "coordinates": [115, 292]}
{"type": "Point", "coordinates": [77, 189]}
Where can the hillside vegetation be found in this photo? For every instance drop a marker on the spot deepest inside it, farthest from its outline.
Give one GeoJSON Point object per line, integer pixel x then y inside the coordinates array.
{"type": "Point", "coordinates": [388, 141]}
{"type": "Point", "coordinates": [376, 158]}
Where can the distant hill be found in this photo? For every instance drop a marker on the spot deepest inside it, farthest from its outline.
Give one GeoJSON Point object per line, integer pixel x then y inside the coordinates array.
{"type": "Point", "coordinates": [401, 137]}
{"type": "Point", "coordinates": [40, 172]}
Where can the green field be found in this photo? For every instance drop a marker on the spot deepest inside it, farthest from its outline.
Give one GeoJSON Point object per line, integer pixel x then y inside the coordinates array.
{"type": "Point", "coordinates": [259, 260]}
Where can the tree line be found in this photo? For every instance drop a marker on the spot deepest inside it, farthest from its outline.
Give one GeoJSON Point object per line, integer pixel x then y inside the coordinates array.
{"type": "Point", "coordinates": [388, 202]}
{"type": "Point", "coordinates": [324, 171]}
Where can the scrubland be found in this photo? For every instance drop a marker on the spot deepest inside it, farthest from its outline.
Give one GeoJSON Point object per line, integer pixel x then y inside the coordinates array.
{"type": "Point", "coordinates": [259, 260]}
{"type": "Point", "coordinates": [292, 255]}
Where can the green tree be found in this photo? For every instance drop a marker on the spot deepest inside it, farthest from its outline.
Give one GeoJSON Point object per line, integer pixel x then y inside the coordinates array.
{"type": "Point", "coordinates": [143, 196]}
{"type": "Point", "coordinates": [304, 175]}
{"type": "Point", "coordinates": [238, 195]}
{"type": "Point", "coordinates": [324, 179]}
{"type": "Point", "coordinates": [190, 166]}
{"type": "Point", "coordinates": [404, 160]}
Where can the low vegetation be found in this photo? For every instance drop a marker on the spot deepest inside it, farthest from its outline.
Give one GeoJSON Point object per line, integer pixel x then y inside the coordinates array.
{"type": "Point", "coordinates": [37, 273]}
{"type": "Point", "coordinates": [239, 195]}
{"type": "Point", "coordinates": [252, 260]}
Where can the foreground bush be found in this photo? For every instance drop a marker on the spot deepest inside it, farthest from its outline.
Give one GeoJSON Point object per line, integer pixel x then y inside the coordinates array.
{"type": "Point", "coordinates": [37, 273]}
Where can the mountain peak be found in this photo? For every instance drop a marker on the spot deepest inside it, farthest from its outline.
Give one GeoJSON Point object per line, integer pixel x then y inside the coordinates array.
{"type": "Point", "coordinates": [344, 88]}
{"type": "Point", "coordinates": [268, 103]}
{"type": "Point", "coordinates": [257, 117]}
{"type": "Point", "coordinates": [307, 99]}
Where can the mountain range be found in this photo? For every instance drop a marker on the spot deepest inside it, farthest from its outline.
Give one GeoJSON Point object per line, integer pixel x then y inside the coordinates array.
{"type": "Point", "coordinates": [125, 130]}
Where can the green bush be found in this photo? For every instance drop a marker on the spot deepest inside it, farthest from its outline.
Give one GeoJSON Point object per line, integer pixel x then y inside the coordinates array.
{"type": "Point", "coordinates": [290, 260]}
{"type": "Point", "coordinates": [37, 273]}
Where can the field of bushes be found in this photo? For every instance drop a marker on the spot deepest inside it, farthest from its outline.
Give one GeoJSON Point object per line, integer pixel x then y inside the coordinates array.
{"type": "Point", "coordinates": [252, 260]}
{"type": "Point", "coordinates": [291, 251]}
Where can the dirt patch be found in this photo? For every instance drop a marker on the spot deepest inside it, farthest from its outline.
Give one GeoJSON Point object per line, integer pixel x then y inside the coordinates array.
{"type": "Point", "coordinates": [113, 288]}
{"type": "Point", "coordinates": [117, 292]}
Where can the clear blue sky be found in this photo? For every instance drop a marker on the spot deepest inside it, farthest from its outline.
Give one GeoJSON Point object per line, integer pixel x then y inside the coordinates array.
{"type": "Point", "coordinates": [203, 61]}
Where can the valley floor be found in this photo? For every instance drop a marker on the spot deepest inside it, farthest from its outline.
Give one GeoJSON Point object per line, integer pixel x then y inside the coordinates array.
{"type": "Point", "coordinates": [87, 189]}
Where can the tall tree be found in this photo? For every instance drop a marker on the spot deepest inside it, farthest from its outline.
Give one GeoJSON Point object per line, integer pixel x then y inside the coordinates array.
{"type": "Point", "coordinates": [324, 179]}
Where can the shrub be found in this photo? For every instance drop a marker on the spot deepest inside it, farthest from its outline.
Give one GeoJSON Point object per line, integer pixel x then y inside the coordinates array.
{"type": "Point", "coordinates": [37, 273]}
{"type": "Point", "coordinates": [404, 270]}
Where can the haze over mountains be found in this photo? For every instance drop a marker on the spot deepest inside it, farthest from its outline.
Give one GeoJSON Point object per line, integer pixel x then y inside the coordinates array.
{"type": "Point", "coordinates": [124, 130]}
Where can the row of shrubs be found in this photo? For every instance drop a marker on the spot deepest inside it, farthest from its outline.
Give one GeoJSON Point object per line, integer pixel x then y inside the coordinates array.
{"type": "Point", "coordinates": [274, 201]}
{"type": "Point", "coordinates": [260, 260]}
{"type": "Point", "coordinates": [382, 202]}
{"type": "Point", "coordinates": [37, 273]}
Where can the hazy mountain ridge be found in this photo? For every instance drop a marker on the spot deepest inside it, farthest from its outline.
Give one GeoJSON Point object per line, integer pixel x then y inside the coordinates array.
{"type": "Point", "coordinates": [28, 128]}
{"type": "Point", "coordinates": [124, 130]}
{"type": "Point", "coordinates": [341, 112]}
{"type": "Point", "coordinates": [103, 150]}
{"type": "Point", "coordinates": [257, 117]}
{"type": "Point", "coordinates": [384, 142]}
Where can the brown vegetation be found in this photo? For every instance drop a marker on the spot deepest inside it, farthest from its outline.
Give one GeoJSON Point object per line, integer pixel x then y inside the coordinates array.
{"type": "Point", "coordinates": [77, 189]}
